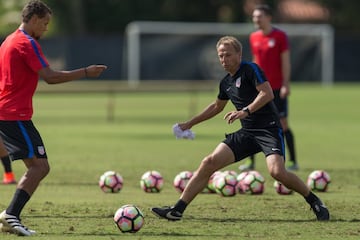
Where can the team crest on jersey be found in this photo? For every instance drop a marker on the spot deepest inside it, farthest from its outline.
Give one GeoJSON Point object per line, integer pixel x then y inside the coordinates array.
{"type": "Point", "coordinates": [271, 42]}
{"type": "Point", "coordinates": [41, 150]}
{"type": "Point", "coordinates": [238, 82]}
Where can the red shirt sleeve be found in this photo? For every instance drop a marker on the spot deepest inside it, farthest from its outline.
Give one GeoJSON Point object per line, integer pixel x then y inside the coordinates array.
{"type": "Point", "coordinates": [34, 56]}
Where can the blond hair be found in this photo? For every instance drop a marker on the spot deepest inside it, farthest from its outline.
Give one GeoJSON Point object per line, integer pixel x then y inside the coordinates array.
{"type": "Point", "coordinates": [230, 40]}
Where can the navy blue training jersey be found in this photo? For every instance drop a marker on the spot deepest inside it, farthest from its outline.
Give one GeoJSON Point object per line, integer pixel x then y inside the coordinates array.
{"type": "Point", "coordinates": [241, 90]}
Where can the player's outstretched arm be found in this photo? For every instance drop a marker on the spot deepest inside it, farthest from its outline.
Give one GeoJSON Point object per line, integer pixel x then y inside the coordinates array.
{"type": "Point", "coordinates": [53, 77]}
{"type": "Point", "coordinates": [210, 111]}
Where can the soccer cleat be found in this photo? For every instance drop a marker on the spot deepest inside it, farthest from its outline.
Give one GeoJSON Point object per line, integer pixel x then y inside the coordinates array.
{"type": "Point", "coordinates": [168, 213]}
{"type": "Point", "coordinates": [293, 167]}
{"type": "Point", "coordinates": [12, 224]}
{"type": "Point", "coordinates": [320, 210]}
{"type": "Point", "coordinates": [9, 178]}
{"type": "Point", "coordinates": [248, 165]}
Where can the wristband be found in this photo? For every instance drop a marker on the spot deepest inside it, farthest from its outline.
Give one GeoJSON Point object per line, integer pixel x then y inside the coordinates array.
{"type": "Point", "coordinates": [246, 109]}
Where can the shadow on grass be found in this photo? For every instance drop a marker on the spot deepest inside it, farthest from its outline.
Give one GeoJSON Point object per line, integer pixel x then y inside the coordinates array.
{"type": "Point", "coordinates": [149, 232]}
{"type": "Point", "coordinates": [271, 220]}
{"type": "Point", "coordinates": [74, 183]}
{"type": "Point", "coordinates": [139, 234]}
{"type": "Point", "coordinates": [204, 219]}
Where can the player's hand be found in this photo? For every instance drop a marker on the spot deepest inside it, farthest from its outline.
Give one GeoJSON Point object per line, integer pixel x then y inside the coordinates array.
{"type": "Point", "coordinates": [95, 70]}
{"type": "Point", "coordinates": [184, 126]}
{"type": "Point", "coordinates": [284, 91]}
{"type": "Point", "coordinates": [230, 117]}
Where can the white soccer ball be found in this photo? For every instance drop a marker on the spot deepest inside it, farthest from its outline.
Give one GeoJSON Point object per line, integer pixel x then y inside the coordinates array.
{"type": "Point", "coordinates": [225, 185]}
{"type": "Point", "coordinates": [129, 218]}
{"type": "Point", "coordinates": [111, 182]}
{"type": "Point", "coordinates": [241, 188]}
{"type": "Point", "coordinates": [281, 188]}
{"type": "Point", "coordinates": [231, 172]}
{"type": "Point", "coordinates": [181, 180]}
{"type": "Point", "coordinates": [319, 180]}
{"type": "Point", "coordinates": [253, 183]}
{"type": "Point", "coordinates": [151, 182]}
{"type": "Point", "coordinates": [210, 188]}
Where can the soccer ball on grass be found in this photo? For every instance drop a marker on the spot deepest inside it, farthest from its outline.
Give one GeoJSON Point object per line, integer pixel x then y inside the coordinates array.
{"type": "Point", "coordinates": [253, 182]}
{"type": "Point", "coordinates": [111, 182]}
{"type": "Point", "coordinates": [225, 185]}
{"type": "Point", "coordinates": [319, 180]}
{"type": "Point", "coordinates": [210, 187]}
{"type": "Point", "coordinates": [282, 189]}
{"type": "Point", "coordinates": [241, 188]}
{"type": "Point", "coordinates": [181, 180]}
{"type": "Point", "coordinates": [129, 218]}
{"type": "Point", "coordinates": [152, 182]}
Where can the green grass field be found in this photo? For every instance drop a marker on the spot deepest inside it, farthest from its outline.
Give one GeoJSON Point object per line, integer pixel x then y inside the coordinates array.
{"type": "Point", "coordinates": [84, 139]}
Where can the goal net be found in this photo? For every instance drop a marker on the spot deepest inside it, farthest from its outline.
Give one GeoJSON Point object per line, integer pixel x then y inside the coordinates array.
{"type": "Point", "coordinates": [186, 51]}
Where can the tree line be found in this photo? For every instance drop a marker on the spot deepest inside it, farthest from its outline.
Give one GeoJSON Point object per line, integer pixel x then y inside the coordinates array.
{"type": "Point", "coordinates": [80, 17]}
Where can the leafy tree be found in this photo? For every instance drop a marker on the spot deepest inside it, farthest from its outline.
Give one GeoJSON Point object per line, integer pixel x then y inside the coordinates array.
{"type": "Point", "coordinates": [344, 15]}
{"type": "Point", "coordinates": [76, 17]}
{"type": "Point", "coordinates": [10, 15]}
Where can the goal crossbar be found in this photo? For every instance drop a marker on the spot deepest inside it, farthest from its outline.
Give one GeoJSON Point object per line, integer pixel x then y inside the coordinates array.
{"type": "Point", "coordinates": [134, 30]}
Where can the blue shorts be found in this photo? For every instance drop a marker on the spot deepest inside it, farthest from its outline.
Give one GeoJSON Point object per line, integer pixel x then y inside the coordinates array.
{"type": "Point", "coordinates": [22, 140]}
{"type": "Point", "coordinates": [247, 142]}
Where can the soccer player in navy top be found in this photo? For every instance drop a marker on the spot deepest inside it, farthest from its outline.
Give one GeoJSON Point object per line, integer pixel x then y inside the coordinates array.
{"type": "Point", "coordinates": [247, 88]}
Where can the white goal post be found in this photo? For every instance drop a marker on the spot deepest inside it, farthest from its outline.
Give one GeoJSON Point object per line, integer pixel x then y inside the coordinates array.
{"type": "Point", "coordinates": [134, 30]}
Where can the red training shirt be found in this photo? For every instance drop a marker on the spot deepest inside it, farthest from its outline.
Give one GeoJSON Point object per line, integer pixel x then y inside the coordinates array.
{"type": "Point", "coordinates": [267, 50]}
{"type": "Point", "coordinates": [21, 58]}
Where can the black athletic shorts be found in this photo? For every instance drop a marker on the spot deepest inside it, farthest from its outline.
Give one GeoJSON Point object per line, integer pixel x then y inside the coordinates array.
{"type": "Point", "coordinates": [281, 104]}
{"type": "Point", "coordinates": [247, 142]}
{"type": "Point", "coordinates": [22, 140]}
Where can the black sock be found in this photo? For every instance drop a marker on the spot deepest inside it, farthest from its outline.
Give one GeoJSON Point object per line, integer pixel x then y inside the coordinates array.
{"type": "Point", "coordinates": [311, 198]}
{"type": "Point", "coordinates": [18, 202]}
{"type": "Point", "coordinates": [289, 137]}
{"type": "Point", "coordinates": [180, 206]}
{"type": "Point", "coordinates": [6, 163]}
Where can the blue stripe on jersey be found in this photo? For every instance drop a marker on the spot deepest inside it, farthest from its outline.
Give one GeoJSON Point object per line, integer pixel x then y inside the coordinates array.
{"type": "Point", "coordinates": [281, 135]}
{"type": "Point", "coordinates": [37, 52]}
{"type": "Point", "coordinates": [27, 139]}
{"type": "Point", "coordinates": [257, 72]}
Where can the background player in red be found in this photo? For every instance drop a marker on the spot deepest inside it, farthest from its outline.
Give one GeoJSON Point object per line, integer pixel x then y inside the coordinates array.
{"type": "Point", "coordinates": [270, 50]}
{"type": "Point", "coordinates": [22, 62]}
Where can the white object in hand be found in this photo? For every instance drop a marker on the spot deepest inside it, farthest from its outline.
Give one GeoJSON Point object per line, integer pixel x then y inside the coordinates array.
{"type": "Point", "coordinates": [179, 133]}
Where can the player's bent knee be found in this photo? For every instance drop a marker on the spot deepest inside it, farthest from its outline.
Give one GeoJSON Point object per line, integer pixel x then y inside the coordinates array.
{"type": "Point", "coordinates": [43, 170]}
{"type": "Point", "coordinates": [208, 164]}
{"type": "Point", "coordinates": [46, 171]}
{"type": "Point", "coordinates": [277, 174]}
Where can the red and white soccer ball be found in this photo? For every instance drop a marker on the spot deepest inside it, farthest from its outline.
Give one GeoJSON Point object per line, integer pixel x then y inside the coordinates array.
{"type": "Point", "coordinates": [226, 185]}
{"type": "Point", "coordinates": [319, 180]}
{"type": "Point", "coordinates": [231, 172]}
{"type": "Point", "coordinates": [281, 188]}
{"type": "Point", "coordinates": [241, 188]}
{"type": "Point", "coordinates": [253, 182]}
{"type": "Point", "coordinates": [111, 182]}
{"type": "Point", "coordinates": [129, 219]}
{"type": "Point", "coordinates": [151, 182]}
{"type": "Point", "coordinates": [210, 188]}
{"type": "Point", "coordinates": [181, 180]}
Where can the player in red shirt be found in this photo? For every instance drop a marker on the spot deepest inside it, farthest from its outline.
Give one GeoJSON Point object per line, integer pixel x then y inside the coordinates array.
{"type": "Point", "coordinates": [22, 62]}
{"type": "Point", "coordinates": [270, 50]}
